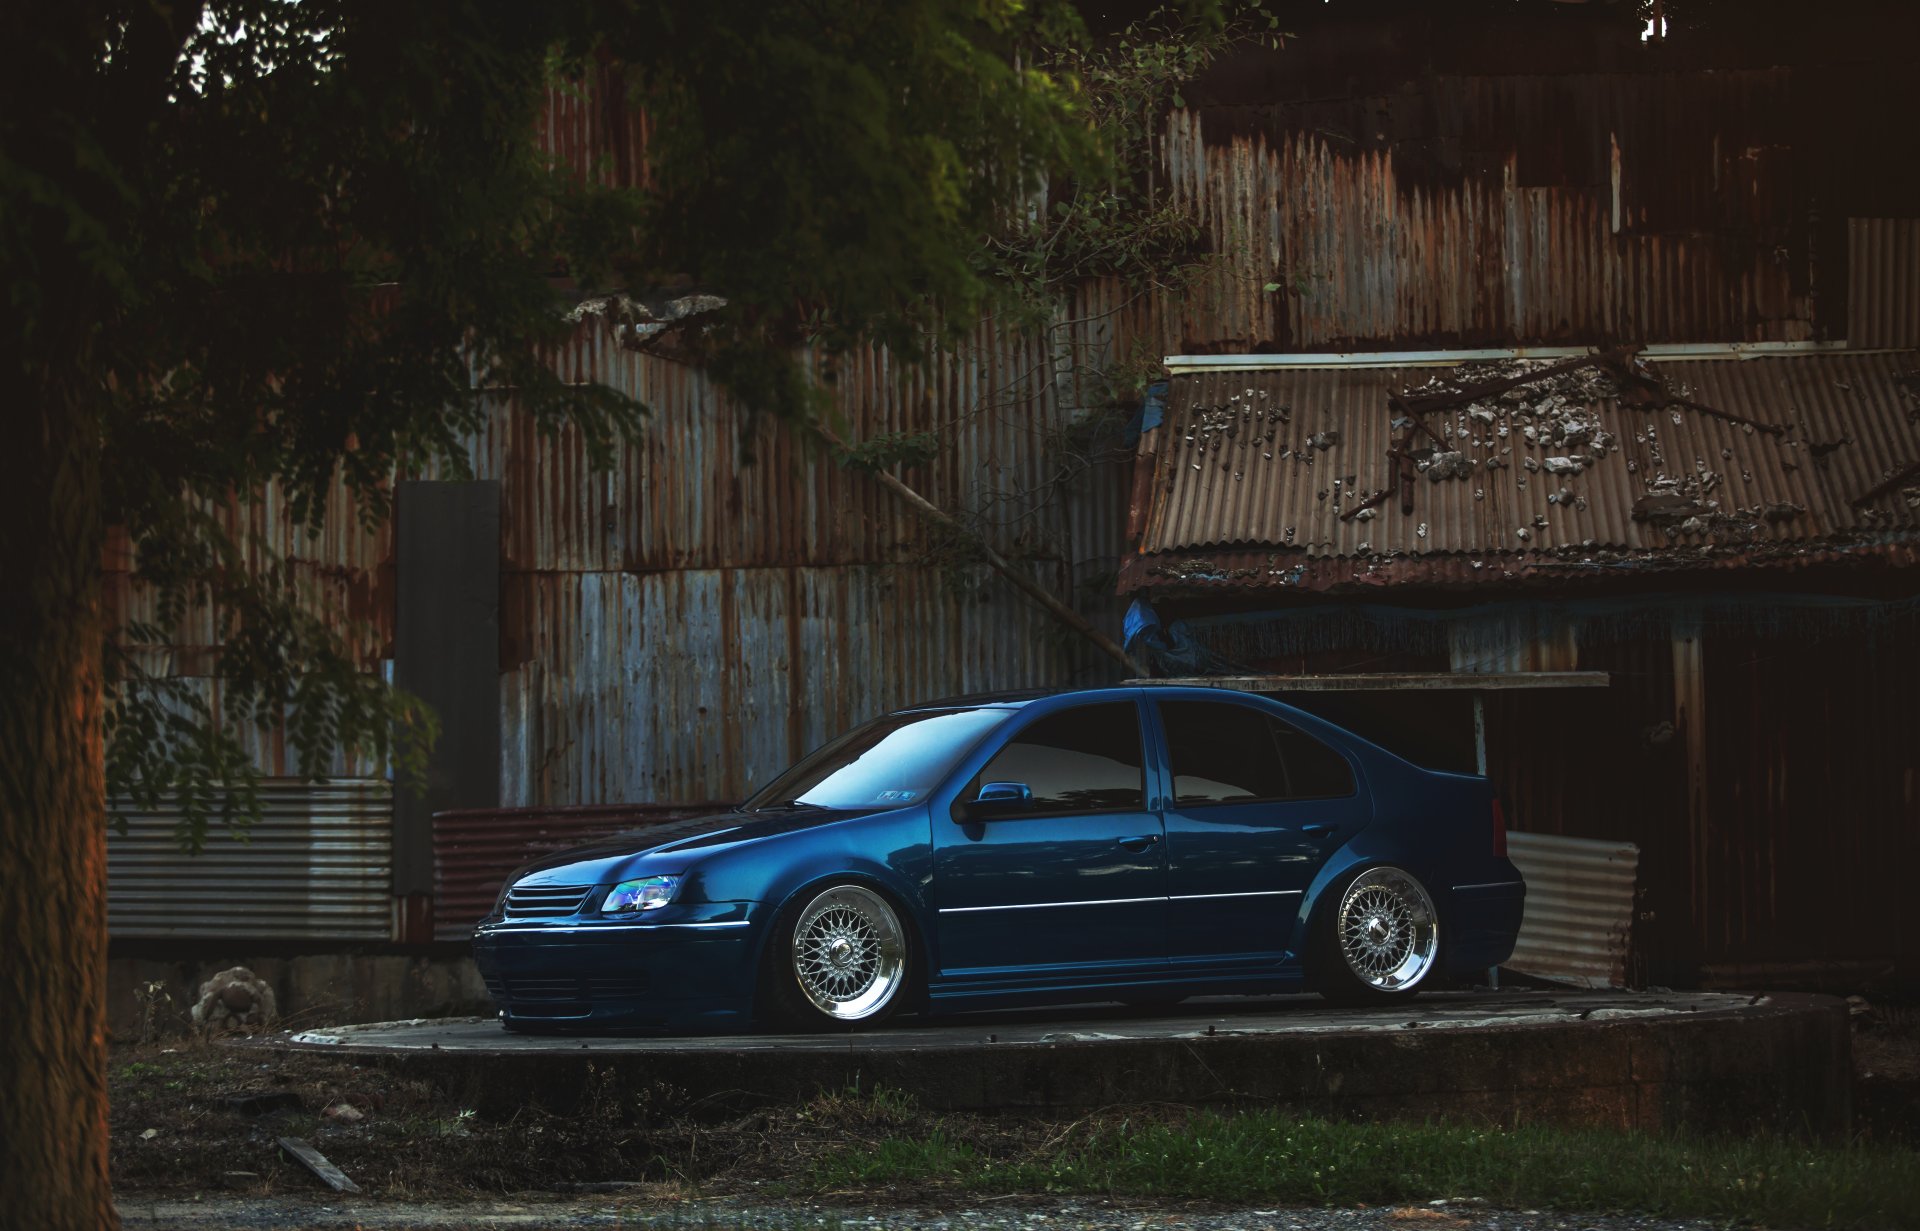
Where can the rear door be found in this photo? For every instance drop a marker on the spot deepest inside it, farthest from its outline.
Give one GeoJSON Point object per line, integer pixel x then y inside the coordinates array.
{"type": "Point", "coordinates": [1071, 884]}
{"type": "Point", "coordinates": [1255, 806]}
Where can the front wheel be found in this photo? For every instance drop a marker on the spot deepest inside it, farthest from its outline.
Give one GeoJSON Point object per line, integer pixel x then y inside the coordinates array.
{"type": "Point", "coordinates": [837, 958]}
{"type": "Point", "coordinates": [1381, 940]}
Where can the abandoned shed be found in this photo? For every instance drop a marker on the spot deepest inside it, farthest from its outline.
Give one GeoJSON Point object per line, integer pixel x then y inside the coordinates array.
{"type": "Point", "coordinates": [1731, 537]}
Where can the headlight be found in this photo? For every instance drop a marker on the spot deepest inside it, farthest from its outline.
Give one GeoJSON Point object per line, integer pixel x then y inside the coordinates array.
{"type": "Point", "coordinates": [648, 894]}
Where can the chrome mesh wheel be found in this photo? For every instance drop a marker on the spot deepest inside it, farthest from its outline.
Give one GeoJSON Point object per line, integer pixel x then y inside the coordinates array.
{"type": "Point", "coordinates": [849, 953]}
{"type": "Point", "coordinates": [1387, 932]}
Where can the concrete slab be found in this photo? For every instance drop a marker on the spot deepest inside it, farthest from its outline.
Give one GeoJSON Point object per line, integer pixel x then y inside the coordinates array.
{"type": "Point", "coordinates": [1694, 1061]}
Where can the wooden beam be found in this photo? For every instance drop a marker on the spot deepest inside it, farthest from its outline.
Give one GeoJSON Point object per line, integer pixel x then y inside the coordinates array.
{"type": "Point", "coordinates": [1436, 681]}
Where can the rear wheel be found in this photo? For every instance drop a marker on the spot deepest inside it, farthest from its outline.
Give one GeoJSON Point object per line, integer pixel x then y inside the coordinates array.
{"type": "Point", "coordinates": [838, 958]}
{"type": "Point", "coordinates": [1381, 939]}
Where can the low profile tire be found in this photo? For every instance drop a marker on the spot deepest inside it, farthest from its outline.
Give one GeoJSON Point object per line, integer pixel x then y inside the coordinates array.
{"type": "Point", "coordinates": [839, 958]}
{"type": "Point", "coordinates": [1379, 940]}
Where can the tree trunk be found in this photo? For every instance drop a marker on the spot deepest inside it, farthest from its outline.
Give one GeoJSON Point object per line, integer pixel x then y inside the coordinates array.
{"type": "Point", "coordinates": [53, 866]}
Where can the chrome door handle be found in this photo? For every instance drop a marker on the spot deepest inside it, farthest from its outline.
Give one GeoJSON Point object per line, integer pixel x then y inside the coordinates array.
{"type": "Point", "coordinates": [1141, 843]}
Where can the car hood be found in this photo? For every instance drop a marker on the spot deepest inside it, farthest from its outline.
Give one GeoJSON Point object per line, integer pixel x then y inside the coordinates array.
{"type": "Point", "coordinates": [678, 843]}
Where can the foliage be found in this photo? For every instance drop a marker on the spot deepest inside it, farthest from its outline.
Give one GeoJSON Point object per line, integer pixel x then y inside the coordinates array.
{"type": "Point", "coordinates": [1123, 222]}
{"type": "Point", "coordinates": [1268, 1156]}
{"type": "Point", "coordinates": [277, 253]}
{"type": "Point", "coordinates": [890, 449]}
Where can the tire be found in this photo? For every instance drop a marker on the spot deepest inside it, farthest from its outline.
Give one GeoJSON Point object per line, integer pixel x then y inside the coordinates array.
{"type": "Point", "coordinates": [840, 957]}
{"type": "Point", "coordinates": [1378, 938]}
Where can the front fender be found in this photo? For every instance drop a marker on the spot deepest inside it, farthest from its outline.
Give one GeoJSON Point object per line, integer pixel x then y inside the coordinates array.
{"type": "Point", "coordinates": [888, 852]}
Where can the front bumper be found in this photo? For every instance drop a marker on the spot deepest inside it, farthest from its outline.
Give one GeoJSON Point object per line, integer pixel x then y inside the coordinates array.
{"type": "Point", "coordinates": [575, 975]}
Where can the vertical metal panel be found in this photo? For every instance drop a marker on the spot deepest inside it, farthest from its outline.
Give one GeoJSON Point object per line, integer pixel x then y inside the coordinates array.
{"type": "Point", "coordinates": [704, 683]}
{"type": "Point", "coordinates": [1606, 765]}
{"type": "Point", "coordinates": [1506, 209]}
{"type": "Point", "coordinates": [1805, 867]}
{"type": "Point", "coordinates": [447, 651]}
{"type": "Point", "coordinates": [317, 866]}
{"type": "Point", "coordinates": [474, 850]}
{"type": "Point", "coordinates": [1883, 281]}
{"type": "Point", "coordinates": [1579, 916]}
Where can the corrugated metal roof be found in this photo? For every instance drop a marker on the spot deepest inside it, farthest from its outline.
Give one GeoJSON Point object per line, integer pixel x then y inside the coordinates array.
{"type": "Point", "coordinates": [1272, 460]}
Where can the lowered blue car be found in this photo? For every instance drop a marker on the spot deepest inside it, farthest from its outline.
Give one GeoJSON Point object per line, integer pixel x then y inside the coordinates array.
{"type": "Point", "coordinates": [1136, 844]}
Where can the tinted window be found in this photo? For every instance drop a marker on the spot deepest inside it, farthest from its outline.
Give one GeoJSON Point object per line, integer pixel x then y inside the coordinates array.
{"type": "Point", "coordinates": [1314, 771]}
{"type": "Point", "coordinates": [1221, 753]}
{"type": "Point", "coordinates": [1231, 753]}
{"type": "Point", "coordinates": [888, 763]}
{"type": "Point", "coordinates": [1079, 760]}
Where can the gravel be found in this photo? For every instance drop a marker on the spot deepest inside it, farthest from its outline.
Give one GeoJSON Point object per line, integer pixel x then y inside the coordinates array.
{"type": "Point", "coordinates": [1016, 1214]}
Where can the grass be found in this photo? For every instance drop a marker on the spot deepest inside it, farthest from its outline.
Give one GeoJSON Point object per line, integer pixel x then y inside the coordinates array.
{"type": "Point", "coordinates": [417, 1140]}
{"type": "Point", "coordinates": [1267, 1157]}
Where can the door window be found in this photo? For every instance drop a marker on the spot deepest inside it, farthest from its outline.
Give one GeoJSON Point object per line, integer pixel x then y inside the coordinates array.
{"type": "Point", "coordinates": [1085, 759]}
{"type": "Point", "coordinates": [1236, 754]}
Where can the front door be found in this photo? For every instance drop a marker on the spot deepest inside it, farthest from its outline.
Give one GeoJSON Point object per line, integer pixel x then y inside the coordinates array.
{"type": "Point", "coordinates": [1070, 883]}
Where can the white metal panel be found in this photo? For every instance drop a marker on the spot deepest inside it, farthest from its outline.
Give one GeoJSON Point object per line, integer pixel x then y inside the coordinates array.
{"type": "Point", "coordinates": [317, 866]}
{"type": "Point", "coordinates": [1579, 908]}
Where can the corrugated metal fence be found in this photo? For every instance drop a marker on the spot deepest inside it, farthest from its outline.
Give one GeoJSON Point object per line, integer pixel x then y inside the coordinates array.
{"type": "Point", "coordinates": [1579, 919]}
{"type": "Point", "coordinates": [475, 849]}
{"type": "Point", "coordinates": [317, 866]}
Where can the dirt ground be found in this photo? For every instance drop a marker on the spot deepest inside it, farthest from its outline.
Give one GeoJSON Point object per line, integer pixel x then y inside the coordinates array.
{"type": "Point", "coordinates": [647, 1213]}
{"type": "Point", "coordinates": [192, 1118]}
{"type": "Point", "coordinates": [197, 1116]}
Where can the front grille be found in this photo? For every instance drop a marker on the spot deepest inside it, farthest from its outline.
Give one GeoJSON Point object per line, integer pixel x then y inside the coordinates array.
{"type": "Point", "coordinates": [562, 995]}
{"type": "Point", "coordinates": [546, 901]}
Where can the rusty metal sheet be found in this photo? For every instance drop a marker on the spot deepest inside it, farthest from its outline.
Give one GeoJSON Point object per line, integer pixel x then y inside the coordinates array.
{"type": "Point", "coordinates": [1883, 281]}
{"type": "Point", "coordinates": [1579, 914]}
{"type": "Point", "coordinates": [1262, 476]}
{"type": "Point", "coordinates": [1493, 210]}
{"type": "Point", "coordinates": [317, 866]}
{"type": "Point", "coordinates": [475, 849]}
{"type": "Point", "coordinates": [703, 684]}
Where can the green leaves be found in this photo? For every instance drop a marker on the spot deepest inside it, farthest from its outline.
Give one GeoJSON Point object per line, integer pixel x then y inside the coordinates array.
{"type": "Point", "coordinates": [891, 449]}
{"type": "Point", "coordinates": [287, 252]}
{"type": "Point", "coordinates": [1115, 217]}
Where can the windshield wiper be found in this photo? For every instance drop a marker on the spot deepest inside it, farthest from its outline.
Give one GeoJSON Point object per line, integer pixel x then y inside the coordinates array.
{"type": "Point", "coordinates": [793, 805]}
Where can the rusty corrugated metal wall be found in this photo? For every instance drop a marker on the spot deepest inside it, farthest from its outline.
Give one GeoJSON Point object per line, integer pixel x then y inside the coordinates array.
{"type": "Point", "coordinates": [684, 624]}
{"type": "Point", "coordinates": [1420, 183]}
{"type": "Point", "coordinates": [1883, 284]}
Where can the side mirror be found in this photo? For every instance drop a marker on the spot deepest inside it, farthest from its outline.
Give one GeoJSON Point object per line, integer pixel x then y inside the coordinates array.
{"type": "Point", "coordinates": [994, 799]}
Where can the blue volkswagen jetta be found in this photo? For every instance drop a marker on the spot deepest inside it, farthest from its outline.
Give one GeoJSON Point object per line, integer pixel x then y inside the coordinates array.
{"type": "Point", "coordinates": [1134, 844]}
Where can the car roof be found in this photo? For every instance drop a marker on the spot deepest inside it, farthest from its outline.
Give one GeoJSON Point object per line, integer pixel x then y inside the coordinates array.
{"type": "Point", "coordinates": [1017, 698]}
{"type": "Point", "coordinates": [1012, 697]}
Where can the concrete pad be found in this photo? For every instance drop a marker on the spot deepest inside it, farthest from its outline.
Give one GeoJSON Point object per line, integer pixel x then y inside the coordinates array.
{"type": "Point", "coordinates": [1658, 1062]}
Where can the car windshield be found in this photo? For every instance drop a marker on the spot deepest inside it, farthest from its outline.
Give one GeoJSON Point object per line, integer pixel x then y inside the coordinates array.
{"type": "Point", "coordinates": [888, 763]}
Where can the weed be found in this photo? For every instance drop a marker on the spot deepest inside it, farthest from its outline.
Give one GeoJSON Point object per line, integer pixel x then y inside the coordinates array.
{"type": "Point", "coordinates": [1266, 1156]}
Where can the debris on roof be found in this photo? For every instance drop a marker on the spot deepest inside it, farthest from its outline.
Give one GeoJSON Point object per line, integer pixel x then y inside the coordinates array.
{"type": "Point", "coordinates": [1606, 461]}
